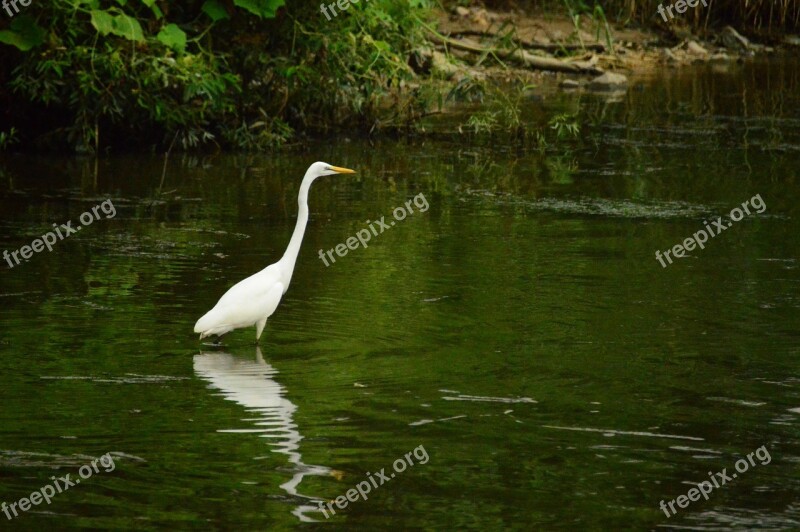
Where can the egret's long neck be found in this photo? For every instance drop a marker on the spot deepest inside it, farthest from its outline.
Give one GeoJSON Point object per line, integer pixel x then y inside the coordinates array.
{"type": "Point", "coordinates": [289, 258]}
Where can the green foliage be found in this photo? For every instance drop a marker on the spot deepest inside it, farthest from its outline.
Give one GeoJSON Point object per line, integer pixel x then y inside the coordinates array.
{"type": "Point", "coordinates": [319, 75]}
{"type": "Point", "coordinates": [599, 16]}
{"type": "Point", "coordinates": [261, 8]}
{"type": "Point", "coordinates": [23, 33]}
{"type": "Point", "coordinates": [483, 122]}
{"type": "Point", "coordinates": [565, 125]}
{"type": "Point", "coordinates": [215, 10]}
{"type": "Point", "coordinates": [174, 37]}
{"type": "Point", "coordinates": [208, 71]}
{"type": "Point", "coordinates": [504, 104]}
{"type": "Point", "coordinates": [7, 139]}
{"type": "Point", "coordinates": [115, 22]}
{"type": "Point", "coordinates": [111, 86]}
{"type": "Point", "coordinates": [266, 133]}
{"type": "Point", "coordinates": [578, 8]}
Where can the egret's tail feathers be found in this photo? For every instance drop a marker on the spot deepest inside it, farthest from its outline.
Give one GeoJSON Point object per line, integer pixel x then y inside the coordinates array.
{"type": "Point", "coordinates": [206, 327]}
{"type": "Point", "coordinates": [218, 331]}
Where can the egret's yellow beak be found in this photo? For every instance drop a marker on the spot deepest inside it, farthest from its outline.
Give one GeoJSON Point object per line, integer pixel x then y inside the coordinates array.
{"type": "Point", "coordinates": [340, 170]}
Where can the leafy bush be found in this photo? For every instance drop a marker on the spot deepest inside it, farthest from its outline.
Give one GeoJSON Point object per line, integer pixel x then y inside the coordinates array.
{"type": "Point", "coordinates": [247, 74]}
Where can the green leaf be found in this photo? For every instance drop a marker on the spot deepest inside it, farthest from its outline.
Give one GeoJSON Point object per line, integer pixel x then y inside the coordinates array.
{"type": "Point", "coordinates": [261, 8]}
{"type": "Point", "coordinates": [173, 37]}
{"type": "Point", "coordinates": [128, 27]}
{"type": "Point", "coordinates": [215, 10]}
{"type": "Point", "coordinates": [154, 8]}
{"type": "Point", "coordinates": [382, 46]}
{"type": "Point", "coordinates": [102, 22]}
{"type": "Point", "coordinates": [23, 33]}
{"type": "Point", "coordinates": [122, 25]}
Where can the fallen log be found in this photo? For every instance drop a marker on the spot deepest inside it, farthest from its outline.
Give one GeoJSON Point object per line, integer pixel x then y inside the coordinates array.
{"type": "Point", "coordinates": [520, 56]}
{"type": "Point", "coordinates": [550, 48]}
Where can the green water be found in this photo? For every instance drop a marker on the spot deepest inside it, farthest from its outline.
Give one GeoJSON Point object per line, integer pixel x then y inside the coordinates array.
{"type": "Point", "coordinates": [520, 330]}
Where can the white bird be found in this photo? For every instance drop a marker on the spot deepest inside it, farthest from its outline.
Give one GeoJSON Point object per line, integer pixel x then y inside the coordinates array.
{"type": "Point", "coordinates": [251, 301]}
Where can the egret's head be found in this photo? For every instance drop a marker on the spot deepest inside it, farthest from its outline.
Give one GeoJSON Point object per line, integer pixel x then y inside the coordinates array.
{"type": "Point", "coordinates": [320, 169]}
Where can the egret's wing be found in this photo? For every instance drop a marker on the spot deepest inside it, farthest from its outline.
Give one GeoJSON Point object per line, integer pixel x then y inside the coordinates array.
{"type": "Point", "coordinates": [257, 307]}
{"type": "Point", "coordinates": [245, 303]}
{"type": "Point", "coordinates": [270, 301]}
{"type": "Point", "coordinates": [257, 284]}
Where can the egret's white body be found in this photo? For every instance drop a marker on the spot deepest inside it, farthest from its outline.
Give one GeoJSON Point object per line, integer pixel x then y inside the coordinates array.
{"type": "Point", "coordinates": [251, 301]}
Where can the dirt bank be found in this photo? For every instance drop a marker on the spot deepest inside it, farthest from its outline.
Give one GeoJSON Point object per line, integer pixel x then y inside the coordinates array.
{"type": "Point", "coordinates": [594, 53]}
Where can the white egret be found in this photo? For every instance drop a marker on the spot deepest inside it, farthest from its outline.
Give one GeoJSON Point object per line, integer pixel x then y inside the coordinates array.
{"type": "Point", "coordinates": [251, 301]}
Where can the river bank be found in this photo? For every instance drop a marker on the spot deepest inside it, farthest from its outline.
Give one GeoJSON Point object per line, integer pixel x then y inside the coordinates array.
{"type": "Point", "coordinates": [578, 53]}
{"type": "Point", "coordinates": [263, 75]}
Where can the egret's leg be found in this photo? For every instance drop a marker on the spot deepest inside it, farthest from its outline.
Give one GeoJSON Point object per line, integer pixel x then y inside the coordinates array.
{"type": "Point", "coordinates": [260, 328]}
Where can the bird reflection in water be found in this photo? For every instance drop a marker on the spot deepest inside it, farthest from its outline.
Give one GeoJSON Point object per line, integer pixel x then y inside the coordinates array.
{"type": "Point", "coordinates": [251, 384]}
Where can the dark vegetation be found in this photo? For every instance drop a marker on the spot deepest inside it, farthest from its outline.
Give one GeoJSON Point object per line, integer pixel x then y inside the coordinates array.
{"type": "Point", "coordinates": [88, 75]}
{"type": "Point", "coordinates": [244, 74]}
